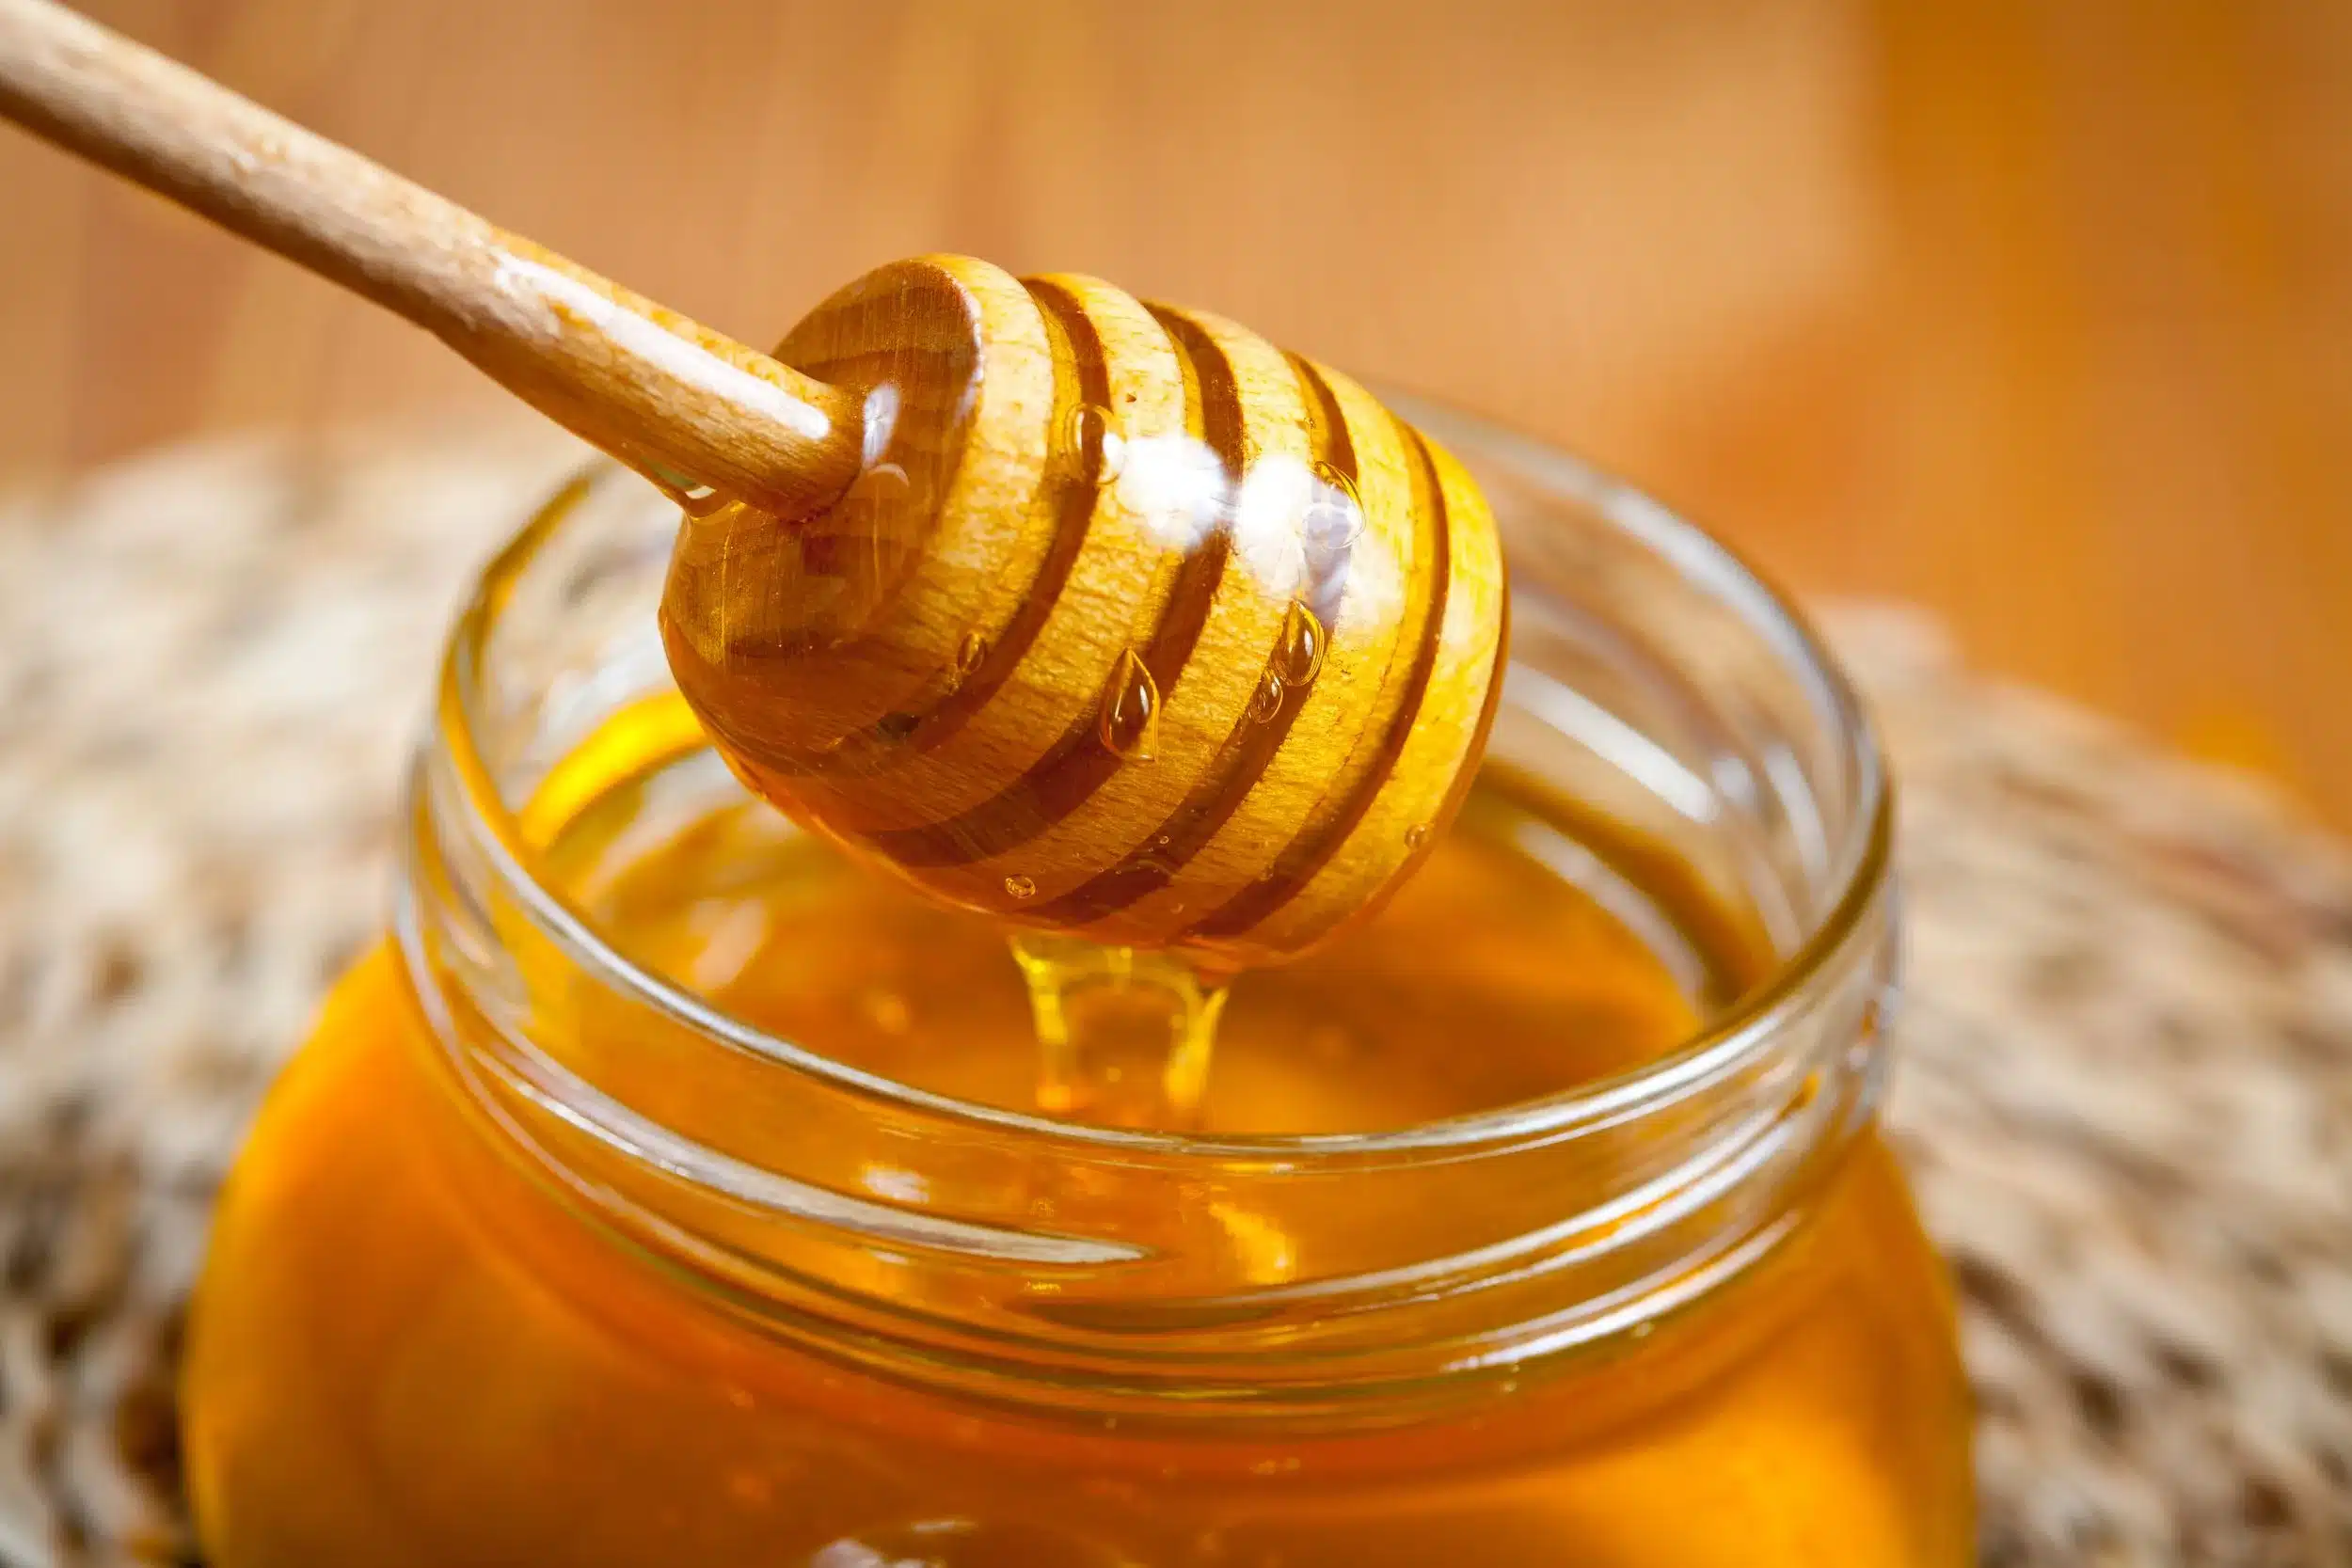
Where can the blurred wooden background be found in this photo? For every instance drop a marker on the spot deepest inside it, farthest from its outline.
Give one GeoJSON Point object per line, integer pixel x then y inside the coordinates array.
{"type": "Point", "coordinates": [2041, 314]}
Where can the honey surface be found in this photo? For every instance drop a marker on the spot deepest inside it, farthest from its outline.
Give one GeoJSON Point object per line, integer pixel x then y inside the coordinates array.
{"type": "Point", "coordinates": [406, 1352]}
{"type": "Point", "coordinates": [1500, 939]}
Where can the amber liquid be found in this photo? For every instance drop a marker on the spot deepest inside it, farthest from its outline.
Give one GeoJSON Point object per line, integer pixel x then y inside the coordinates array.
{"type": "Point", "coordinates": [406, 1353]}
{"type": "Point", "coordinates": [1522, 933]}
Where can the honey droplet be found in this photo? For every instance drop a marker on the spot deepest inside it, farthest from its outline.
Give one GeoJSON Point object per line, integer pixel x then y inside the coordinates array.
{"type": "Point", "coordinates": [1020, 887]}
{"type": "Point", "coordinates": [969, 653]}
{"type": "Point", "coordinates": [1334, 519]}
{"type": "Point", "coordinates": [1267, 701]}
{"type": "Point", "coordinates": [1124, 1038]}
{"type": "Point", "coordinates": [1092, 433]}
{"type": "Point", "coordinates": [1416, 836]}
{"type": "Point", "coordinates": [1130, 725]}
{"type": "Point", "coordinates": [1298, 655]}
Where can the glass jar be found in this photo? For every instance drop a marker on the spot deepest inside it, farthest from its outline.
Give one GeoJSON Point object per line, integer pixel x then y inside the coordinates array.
{"type": "Point", "coordinates": [535, 1256]}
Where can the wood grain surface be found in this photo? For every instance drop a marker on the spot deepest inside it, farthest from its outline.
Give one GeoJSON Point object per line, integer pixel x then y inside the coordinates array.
{"type": "Point", "coordinates": [1137, 629]}
{"type": "Point", "coordinates": [2039, 313]}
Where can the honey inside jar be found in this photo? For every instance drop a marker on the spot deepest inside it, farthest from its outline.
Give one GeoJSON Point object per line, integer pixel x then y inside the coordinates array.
{"type": "Point", "coordinates": [1522, 934]}
{"type": "Point", "coordinates": [672, 1191]}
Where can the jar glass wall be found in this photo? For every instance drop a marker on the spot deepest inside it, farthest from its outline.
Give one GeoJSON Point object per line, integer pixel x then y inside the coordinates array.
{"type": "Point", "coordinates": [543, 1251]}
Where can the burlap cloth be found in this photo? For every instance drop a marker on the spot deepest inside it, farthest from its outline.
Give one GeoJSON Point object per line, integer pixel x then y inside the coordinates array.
{"type": "Point", "coordinates": [2126, 1084]}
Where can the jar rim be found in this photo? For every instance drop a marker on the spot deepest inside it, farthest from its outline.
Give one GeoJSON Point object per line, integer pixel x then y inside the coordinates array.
{"type": "Point", "coordinates": [1858, 862]}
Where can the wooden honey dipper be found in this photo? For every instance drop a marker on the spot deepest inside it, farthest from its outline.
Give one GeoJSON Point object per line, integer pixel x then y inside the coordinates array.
{"type": "Point", "coordinates": [1102, 617]}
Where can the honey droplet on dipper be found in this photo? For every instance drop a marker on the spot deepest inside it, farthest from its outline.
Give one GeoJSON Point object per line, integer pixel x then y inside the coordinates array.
{"type": "Point", "coordinates": [1092, 433]}
{"type": "Point", "coordinates": [1269, 700]}
{"type": "Point", "coordinates": [1298, 655]}
{"type": "Point", "coordinates": [1130, 725]}
{"type": "Point", "coordinates": [1334, 519]}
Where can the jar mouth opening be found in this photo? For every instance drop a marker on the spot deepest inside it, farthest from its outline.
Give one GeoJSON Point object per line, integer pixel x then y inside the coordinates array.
{"type": "Point", "coordinates": [1857, 868]}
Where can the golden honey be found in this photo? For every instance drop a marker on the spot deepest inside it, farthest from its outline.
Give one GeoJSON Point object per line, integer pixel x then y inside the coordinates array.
{"type": "Point", "coordinates": [670, 1191]}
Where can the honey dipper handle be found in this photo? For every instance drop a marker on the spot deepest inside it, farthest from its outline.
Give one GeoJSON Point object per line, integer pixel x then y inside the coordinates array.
{"type": "Point", "coordinates": [667, 396]}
